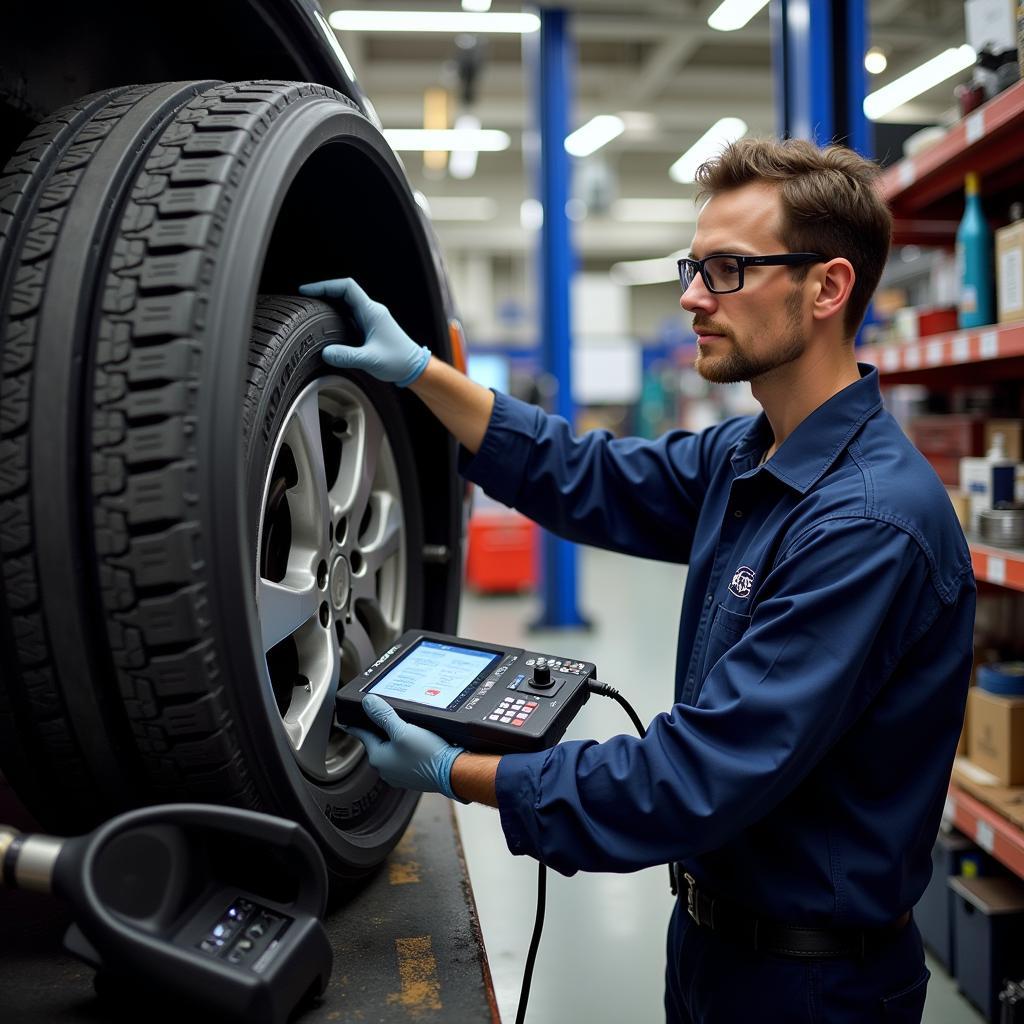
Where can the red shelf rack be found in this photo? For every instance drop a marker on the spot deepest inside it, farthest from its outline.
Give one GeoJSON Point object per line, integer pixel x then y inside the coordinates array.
{"type": "Point", "coordinates": [1002, 566]}
{"type": "Point", "coordinates": [904, 363]}
{"type": "Point", "coordinates": [925, 191]}
{"type": "Point", "coordinates": [992, 831]}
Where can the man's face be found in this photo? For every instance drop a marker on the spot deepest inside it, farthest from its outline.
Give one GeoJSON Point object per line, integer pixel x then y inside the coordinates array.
{"type": "Point", "coordinates": [746, 334]}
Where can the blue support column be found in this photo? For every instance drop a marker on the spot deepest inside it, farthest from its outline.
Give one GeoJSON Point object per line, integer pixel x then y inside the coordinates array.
{"type": "Point", "coordinates": [859, 128]}
{"type": "Point", "coordinates": [818, 57]}
{"type": "Point", "coordinates": [818, 49]}
{"type": "Point", "coordinates": [552, 58]}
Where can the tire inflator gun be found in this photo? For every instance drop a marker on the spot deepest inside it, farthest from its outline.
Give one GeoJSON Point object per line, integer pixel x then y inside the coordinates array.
{"type": "Point", "coordinates": [220, 908]}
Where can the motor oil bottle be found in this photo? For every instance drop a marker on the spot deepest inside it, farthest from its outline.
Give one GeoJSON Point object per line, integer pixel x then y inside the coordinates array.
{"type": "Point", "coordinates": [974, 261]}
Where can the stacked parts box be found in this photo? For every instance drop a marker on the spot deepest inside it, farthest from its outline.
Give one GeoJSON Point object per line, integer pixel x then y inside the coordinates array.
{"type": "Point", "coordinates": [952, 854]}
{"type": "Point", "coordinates": [996, 735]}
{"type": "Point", "coordinates": [989, 937]}
{"type": "Point", "coordinates": [945, 440]}
{"type": "Point", "coordinates": [1010, 272]}
{"type": "Point", "coordinates": [502, 555]}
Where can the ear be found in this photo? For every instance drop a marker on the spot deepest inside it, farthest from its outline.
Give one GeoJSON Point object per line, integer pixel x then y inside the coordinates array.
{"type": "Point", "coordinates": [835, 283]}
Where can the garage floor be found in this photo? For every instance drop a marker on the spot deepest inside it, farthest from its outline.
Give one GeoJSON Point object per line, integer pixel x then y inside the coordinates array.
{"type": "Point", "coordinates": [601, 958]}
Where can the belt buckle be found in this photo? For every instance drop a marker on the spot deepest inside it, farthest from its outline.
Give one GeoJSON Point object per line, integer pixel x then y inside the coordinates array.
{"type": "Point", "coordinates": [691, 896]}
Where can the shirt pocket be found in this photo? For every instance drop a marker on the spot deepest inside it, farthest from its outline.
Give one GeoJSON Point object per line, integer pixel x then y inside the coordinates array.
{"type": "Point", "coordinates": [726, 629]}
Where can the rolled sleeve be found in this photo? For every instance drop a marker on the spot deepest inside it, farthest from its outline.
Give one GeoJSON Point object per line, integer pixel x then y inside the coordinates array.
{"type": "Point", "coordinates": [626, 494]}
{"type": "Point", "coordinates": [499, 465]}
{"type": "Point", "coordinates": [833, 619]}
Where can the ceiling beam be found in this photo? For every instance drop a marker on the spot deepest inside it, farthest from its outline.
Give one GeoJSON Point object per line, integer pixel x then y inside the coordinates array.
{"type": "Point", "coordinates": [513, 113]}
{"type": "Point", "coordinates": [381, 78]}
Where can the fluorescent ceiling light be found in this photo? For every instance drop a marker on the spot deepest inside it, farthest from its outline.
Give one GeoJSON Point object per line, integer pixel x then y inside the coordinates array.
{"type": "Point", "coordinates": [462, 208]}
{"type": "Point", "coordinates": [734, 14]}
{"type": "Point", "coordinates": [654, 211]}
{"type": "Point", "coordinates": [462, 162]}
{"type": "Point", "coordinates": [710, 144]}
{"type": "Point", "coordinates": [483, 140]}
{"type": "Point", "coordinates": [597, 132]}
{"type": "Point", "coordinates": [434, 21]}
{"type": "Point", "coordinates": [476, 5]}
{"type": "Point", "coordinates": [875, 61]}
{"type": "Point", "coordinates": [948, 63]}
{"type": "Point", "coordinates": [656, 271]}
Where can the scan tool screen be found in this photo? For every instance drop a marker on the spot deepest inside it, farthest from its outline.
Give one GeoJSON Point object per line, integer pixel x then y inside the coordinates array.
{"type": "Point", "coordinates": [436, 674]}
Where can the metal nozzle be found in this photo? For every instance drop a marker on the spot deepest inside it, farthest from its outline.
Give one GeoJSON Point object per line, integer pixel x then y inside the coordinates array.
{"type": "Point", "coordinates": [26, 862]}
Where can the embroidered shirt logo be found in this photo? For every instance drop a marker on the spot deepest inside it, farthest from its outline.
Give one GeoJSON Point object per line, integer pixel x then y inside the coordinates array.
{"type": "Point", "coordinates": [742, 582]}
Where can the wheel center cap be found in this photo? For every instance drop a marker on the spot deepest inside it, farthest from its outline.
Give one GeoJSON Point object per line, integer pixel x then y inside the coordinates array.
{"type": "Point", "coordinates": [341, 583]}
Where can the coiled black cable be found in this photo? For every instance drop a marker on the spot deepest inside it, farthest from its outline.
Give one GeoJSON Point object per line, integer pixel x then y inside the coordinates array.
{"type": "Point", "coordinates": [542, 872]}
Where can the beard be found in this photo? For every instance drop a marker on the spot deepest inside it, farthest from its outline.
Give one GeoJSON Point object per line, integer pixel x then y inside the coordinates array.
{"type": "Point", "coordinates": [739, 363]}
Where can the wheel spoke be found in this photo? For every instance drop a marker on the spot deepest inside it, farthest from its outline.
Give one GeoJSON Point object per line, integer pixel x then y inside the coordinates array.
{"type": "Point", "coordinates": [310, 719]}
{"type": "Point", "coordinates": [311, 488]}
{"type": "Point", "coordinates": [283, 610]}
{"type": "Point", "coordinates": [359, 644]}
{"type": "Point", "coordinates": [384, 538]}
{"type": "Point", "coordinates": [359, 460]}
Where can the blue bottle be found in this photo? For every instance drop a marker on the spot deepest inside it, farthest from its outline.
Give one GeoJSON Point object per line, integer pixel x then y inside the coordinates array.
{"type": "Point", "coordinates": [974, 261]}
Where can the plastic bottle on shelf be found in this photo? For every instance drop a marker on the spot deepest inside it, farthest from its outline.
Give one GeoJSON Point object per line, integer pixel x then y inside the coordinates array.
{"type": "Point", "coordinates": [974, 261]}
{"type": "Point", "coordinates": [988, 480]}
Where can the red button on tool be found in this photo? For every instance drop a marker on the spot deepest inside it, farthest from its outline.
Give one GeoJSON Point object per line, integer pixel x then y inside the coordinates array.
{"type": "Point", "coordinates": [518, 722]}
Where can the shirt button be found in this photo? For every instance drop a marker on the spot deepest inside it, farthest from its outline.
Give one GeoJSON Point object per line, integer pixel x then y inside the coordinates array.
{"type": "Point", "coordinates": [709, 599]}
{"type": "Point", "coordinates": [738, 514]}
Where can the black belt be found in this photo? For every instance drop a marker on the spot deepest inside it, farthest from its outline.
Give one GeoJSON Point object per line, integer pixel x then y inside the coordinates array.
{"type": "Point", "coordinates": [767, 936]}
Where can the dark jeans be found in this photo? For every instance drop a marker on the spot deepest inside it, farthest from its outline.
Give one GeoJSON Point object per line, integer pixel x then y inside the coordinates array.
{"type": "Point", "coordinates": [710, 980]}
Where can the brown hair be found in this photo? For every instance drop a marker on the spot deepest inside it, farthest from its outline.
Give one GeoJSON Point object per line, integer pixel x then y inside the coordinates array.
{"type": "Point", "coordinates": [829, 204]}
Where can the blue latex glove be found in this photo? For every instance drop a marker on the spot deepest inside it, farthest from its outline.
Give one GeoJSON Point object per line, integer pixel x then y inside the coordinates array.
{"type": "Point", "coordinates": [411, 757]}
{"type": "Point", "coordinates": [387, 352]}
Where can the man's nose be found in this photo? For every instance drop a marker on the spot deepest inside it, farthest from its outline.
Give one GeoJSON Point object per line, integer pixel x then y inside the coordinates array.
{"type": "Point", "coordinates": [698, 298]}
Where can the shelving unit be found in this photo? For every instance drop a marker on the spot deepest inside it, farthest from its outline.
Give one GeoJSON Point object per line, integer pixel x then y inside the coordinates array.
{"type": "Point", "coordinates": [993, 832]}
{"type": "Point", "coordinates": [1002, 566]}
{"type": "Point", "coordinates": [1000, 347]}
{"type": "Point", "coordinates": [925, 193]}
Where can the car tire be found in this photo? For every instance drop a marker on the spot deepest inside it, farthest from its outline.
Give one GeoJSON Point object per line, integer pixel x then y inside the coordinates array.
{"type": "Point", "coordinates": [63, 741]}
{"type": "Point", "coordinates": [188, 380]}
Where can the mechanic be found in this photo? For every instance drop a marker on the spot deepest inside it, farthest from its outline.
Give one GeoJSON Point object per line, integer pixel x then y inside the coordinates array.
{"type": "Point", "coordinates": [825, 643]}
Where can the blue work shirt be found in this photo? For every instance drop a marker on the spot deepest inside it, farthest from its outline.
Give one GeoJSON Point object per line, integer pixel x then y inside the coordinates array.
{"type": "Point", "coordinates": [824, 654]}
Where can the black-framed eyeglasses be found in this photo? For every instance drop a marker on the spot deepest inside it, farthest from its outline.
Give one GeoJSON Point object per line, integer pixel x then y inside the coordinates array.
{"type": "Point", "coordinates": [723, 271]}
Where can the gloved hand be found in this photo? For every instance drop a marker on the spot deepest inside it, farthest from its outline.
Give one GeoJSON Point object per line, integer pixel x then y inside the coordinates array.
{"type": "Point", "coordinates": [411, 757]}
{"type": "Point", "coordinates": [387, 352]}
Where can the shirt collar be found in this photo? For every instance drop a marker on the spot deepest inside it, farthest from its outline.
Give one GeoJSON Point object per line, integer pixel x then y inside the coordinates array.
{"type": "Point", "coordinates": [817, 442]}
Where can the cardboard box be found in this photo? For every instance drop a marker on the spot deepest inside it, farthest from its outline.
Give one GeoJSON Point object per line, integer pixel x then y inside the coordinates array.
{"type": "Point", "coordinates": [996, 735]}
{"type": "Point", "coordinates": [1010, 272]}
{"type": "Point", "coordinates": [945, 440]}
{"type": "Point", "coordinates": [1013, 437]}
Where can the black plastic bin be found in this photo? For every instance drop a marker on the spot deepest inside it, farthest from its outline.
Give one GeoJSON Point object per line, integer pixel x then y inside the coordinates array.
{"type": "Point", "coordinates": [989, 930]}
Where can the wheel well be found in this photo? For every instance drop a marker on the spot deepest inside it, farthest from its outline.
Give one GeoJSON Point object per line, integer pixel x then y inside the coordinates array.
{"type": "Point", "coordinates": [51, 54]}
{"type": "Point", "coordinates": [347, 215]}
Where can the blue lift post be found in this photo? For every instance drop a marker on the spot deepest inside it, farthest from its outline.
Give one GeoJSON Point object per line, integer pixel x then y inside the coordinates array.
{"type": "Point", "coordinates": [818, 58]}
{"type": "Point", "coordinates": [551, 57]}
{"type": "Point", "coordinates": [818, 51]}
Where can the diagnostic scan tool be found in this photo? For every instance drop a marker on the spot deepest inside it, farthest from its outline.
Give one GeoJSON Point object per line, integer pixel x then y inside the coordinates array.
{"type": "Point", "coordinates": [484, 697]}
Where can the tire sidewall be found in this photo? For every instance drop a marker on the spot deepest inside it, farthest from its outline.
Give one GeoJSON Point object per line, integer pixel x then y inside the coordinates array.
{"type": "Point", "coordinates": [356, 810]}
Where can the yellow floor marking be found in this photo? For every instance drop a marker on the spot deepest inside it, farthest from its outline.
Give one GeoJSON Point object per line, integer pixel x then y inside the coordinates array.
{"type": "Point", "coordinates": [403, 868]}
{"type": "Point", "coordinates": [417, 969]}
